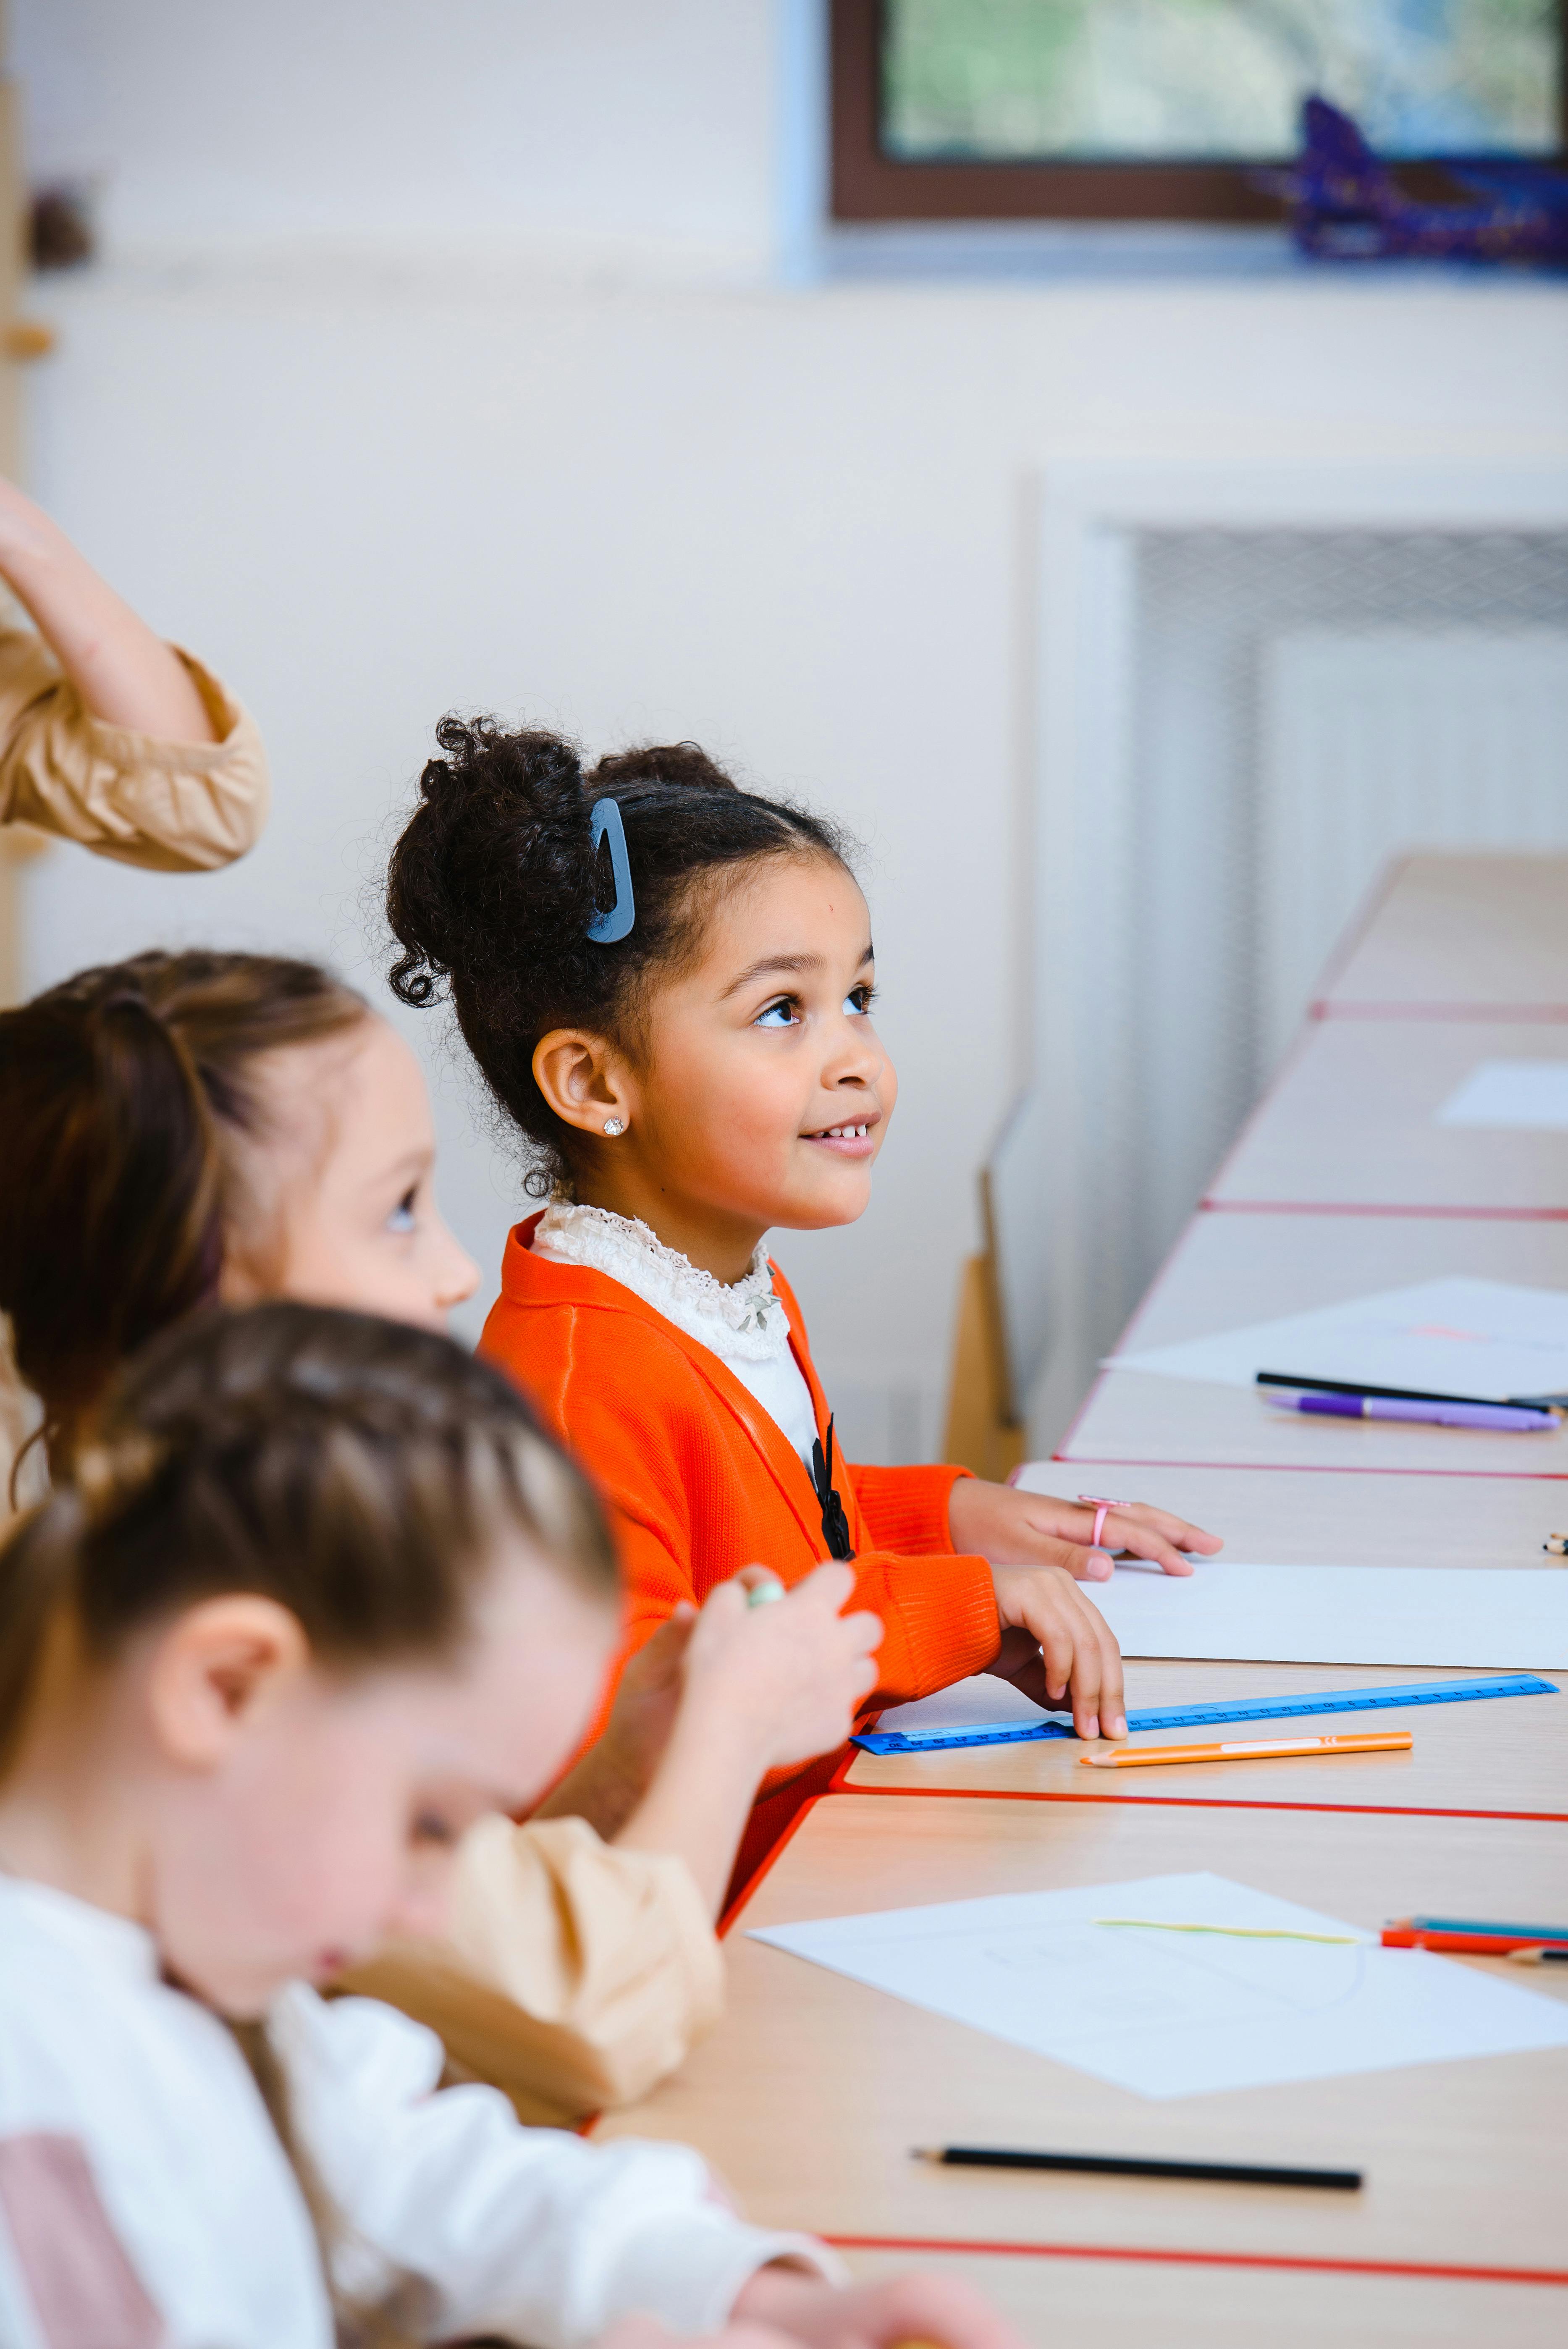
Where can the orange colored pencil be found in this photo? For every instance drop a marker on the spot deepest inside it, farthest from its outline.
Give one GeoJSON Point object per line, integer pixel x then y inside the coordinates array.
{"type": "Point", "coordinates": [1143, 1758]}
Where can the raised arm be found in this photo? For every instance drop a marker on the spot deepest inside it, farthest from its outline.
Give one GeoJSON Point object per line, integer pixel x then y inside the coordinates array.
{"type": "Point", "coordinates": [125, 673]}
{"type": "Point", "coordinates": [713, 1703]}
{"type": "Point", "coordinates": [764, 1688]}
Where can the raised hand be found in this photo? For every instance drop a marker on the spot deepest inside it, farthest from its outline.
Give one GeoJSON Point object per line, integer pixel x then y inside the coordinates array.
{"type": "Point", "coordinates": [795, 1670]}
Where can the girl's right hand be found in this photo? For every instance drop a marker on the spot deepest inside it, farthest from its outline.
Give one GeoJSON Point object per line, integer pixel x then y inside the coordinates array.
{"type": "Point", "coordinates": [780, 2309]}
{"type": "Point", "coordinates": [793, 1672]}
{"type": "Point", "coordinates": [1057, 1648]}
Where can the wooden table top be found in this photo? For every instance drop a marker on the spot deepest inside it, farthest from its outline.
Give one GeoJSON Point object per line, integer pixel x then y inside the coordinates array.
{"type": "Point", "coordinates": [1121, 2304]}
{"type": "Point", "coordinates": [810, 2093]}
{"type": "Point", "coordinates": [1345, 1516]}
{"type": "Point", "coordinates": [1353, 1120]}
{"type": "Point", "coordinates": [1231, 1269]}
{"type": "Point", "coordinates": [1468, 930]}
{"type": "Point", "coordinates": [1501, 1754]}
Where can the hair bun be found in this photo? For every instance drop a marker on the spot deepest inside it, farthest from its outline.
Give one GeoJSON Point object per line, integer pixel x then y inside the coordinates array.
{"type": "Point", "coordinates": [499, 848]}
{"type": "Point", "coordinates": [685, 763]}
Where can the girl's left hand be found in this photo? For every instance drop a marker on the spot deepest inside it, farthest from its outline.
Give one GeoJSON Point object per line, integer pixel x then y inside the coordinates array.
{"type": "Point", "coordinates": [1008, 1528]}
{"type": "Point", "coordinates": [916, 2307]}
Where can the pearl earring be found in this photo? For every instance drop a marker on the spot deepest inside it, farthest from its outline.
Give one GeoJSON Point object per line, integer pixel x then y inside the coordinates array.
{"type": "Point", "coordinates": [613, 1125]}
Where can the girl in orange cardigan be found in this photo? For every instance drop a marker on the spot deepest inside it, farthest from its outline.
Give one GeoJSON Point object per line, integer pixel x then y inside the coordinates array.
{"type": "Point", "coordinates": [681, 1030]}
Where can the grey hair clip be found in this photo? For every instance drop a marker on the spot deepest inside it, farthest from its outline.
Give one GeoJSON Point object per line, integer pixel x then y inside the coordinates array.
{"type": "Point", "coordinates": [604, 930]}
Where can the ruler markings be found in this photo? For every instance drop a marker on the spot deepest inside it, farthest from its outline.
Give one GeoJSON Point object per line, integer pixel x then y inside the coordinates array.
{"type": "Point", "coordinates": [1184, 1716]}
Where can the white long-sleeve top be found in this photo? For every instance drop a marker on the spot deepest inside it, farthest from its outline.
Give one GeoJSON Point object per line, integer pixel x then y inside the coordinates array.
{"type": "Point", "coordinates": [145, 2198]}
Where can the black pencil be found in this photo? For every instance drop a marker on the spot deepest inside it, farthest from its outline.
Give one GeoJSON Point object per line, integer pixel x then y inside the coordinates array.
{"type": "Point", "coordinates": [1119, 2165]}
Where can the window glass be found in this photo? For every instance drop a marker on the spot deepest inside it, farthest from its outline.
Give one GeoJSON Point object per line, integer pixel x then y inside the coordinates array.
{"type": "Point", "coordinates": [1022, 81]}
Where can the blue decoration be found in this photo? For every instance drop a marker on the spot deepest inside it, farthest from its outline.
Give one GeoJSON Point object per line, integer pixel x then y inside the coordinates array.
{"type": "Point", "coordinates": [604, 930]}
{"type": "Point", "coordinates": [1345, 204]}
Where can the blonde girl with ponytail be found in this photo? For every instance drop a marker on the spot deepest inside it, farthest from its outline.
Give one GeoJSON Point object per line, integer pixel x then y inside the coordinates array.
{"type": "Point", "coordinates": [198, 1127]}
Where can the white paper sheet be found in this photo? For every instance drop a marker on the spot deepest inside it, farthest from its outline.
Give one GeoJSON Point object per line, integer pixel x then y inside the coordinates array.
{"type": "Point", "coordinates": [968, 1704]}
{"type": "Point", "coordinates": [1484, 1339]}
{"type": "Point", "coordinates": [1493, 1619]}
{"type": "Point", "coordinates": [1179, 2014]}
{"type": "Point", "coordinates": [1530, 1096]}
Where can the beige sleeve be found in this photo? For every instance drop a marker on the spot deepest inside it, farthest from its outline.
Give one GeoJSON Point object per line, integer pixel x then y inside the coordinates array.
{"type": "Point", "coordinates": [172, 807]}
{"type": "Point", "coordinates": [574, 1975]}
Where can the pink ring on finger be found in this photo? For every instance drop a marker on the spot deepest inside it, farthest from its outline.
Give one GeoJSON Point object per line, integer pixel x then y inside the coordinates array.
{"type": "Point", "coordinates": [1102, 1509]}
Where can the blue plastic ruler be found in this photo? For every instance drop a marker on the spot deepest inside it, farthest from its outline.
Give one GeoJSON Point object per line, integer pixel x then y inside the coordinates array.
{"type": "Point", "coordinates": [1185, 1716]}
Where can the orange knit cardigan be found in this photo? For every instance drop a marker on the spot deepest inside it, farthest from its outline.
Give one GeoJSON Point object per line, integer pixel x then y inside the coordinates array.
{"type": "Point", "coordinates": [699, 1480]}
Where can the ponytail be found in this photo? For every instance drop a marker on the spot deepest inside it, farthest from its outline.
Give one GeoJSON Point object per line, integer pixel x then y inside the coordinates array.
{"type": "Point", "coordinates": [36, 1589]}
{"type": "Point", "coordinates": [358, 1472]}
{"type": "Point", "coordinates": [496, 877]}
{"type": "Point", "coordinates": [363, 1474]}
{"type": "Point", "coordinates": [122, 1093]}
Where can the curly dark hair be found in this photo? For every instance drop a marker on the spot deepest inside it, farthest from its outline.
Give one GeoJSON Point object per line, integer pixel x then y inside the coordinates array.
{"type": "Point", "coordinates": [494, 881]}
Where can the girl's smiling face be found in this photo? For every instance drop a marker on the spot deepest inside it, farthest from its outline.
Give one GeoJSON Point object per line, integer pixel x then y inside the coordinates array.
{"type": "Point", "coordinates": [758, 1093]}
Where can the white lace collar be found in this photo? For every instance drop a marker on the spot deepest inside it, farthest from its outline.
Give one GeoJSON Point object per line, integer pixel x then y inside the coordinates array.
{"type": "Point", "coordinates": [745, 1322]}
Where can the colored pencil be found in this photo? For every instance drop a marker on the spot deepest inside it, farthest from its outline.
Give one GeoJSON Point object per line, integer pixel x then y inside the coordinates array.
{"type": "Point", "coordinates": [1117, 2165]}
{"type": "Point", "coordinates": [1514, 1932]}
{"type": "Point", "coordinates": [1268, 1749]}
{"type": "Point", "coordinates": [1464, 1945]}
{"type": "Point", "coordinates": [1511, 1418]}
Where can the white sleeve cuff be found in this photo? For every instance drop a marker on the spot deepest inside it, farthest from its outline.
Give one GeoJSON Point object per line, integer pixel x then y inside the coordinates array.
{"type": "Point", "coordinates": [691, 2270]}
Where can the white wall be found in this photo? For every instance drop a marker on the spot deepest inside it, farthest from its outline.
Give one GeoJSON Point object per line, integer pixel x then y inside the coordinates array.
{"type": "Point", "coordinates": [643, 125]}
{"type": "Point", "coordinates": [792, 523]}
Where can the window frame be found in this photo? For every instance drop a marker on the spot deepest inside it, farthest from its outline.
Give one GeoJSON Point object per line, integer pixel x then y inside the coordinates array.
{"type": "Point", "coordinates": [868, 185]}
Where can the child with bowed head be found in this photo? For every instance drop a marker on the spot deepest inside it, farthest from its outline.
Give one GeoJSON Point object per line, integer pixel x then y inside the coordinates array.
{"type": "Point", "coordinates": [318, 1593]}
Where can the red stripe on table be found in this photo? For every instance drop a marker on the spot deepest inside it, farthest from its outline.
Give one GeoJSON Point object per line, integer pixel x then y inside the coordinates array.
{"type": "Point", "coordinates": [1263, 1105]}
{"type": "Point", "coordinates": [1310, 1467]}
{"type": "Point", "coordinates": [1450, 2271]}
{"type": "Point", "coordinates": [1081, 1415]}
{"type": "Point", "coordinates": [1494, 1014]}
{"type": "Point", "coordinates": [1348, 944]}
{"type": "Point", "coordinates": [748, 1891]}
{"type": "Point", "coordinates": [1212, 1206]}
{"type": "Point", "coordinates": [1187, 1801]}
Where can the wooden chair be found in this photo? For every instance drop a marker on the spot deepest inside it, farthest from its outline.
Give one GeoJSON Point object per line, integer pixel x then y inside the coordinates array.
{"type": "Point", "coordinates": [1000, 1338]}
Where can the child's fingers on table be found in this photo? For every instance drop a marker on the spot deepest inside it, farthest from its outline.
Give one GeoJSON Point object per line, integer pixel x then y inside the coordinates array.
{"type": "Point", "coordinates": [1034, 1544]}
{"type": "Point", "coordinates": [640, 2331]}
{"type": "Point", "coordinates": [1125, 1531]}
{"type": "Point", "coordinates": [1177, 1531]}
{"type": "Point", "coordinates": [922, 2310]}
{"type": "Point", "coordinates": [1080, 1656]}
{"type": "Point", "coordinates": [1094, 1686]}
{"type": "Point", "coordinates": [1144, 1533]}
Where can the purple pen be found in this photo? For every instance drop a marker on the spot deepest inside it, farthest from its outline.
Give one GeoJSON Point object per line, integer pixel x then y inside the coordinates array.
{"type": "Point", "coordinates": [1511, 1416]}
